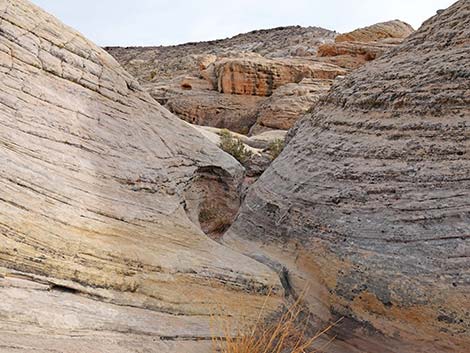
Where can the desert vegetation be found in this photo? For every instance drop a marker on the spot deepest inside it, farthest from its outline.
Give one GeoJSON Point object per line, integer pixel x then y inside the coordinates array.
{"type": "Point", "coordinates": [290, 332]}
{"type": "Point", "coordinates": [275, 148]}
{"type": "Point", "coordinates": [234, 146]}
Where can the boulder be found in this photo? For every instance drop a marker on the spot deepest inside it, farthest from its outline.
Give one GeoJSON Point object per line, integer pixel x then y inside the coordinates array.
{"type": "Point", "coordinates": [98, 244]}
{"type": "Point", "coordinates": [368, 203]}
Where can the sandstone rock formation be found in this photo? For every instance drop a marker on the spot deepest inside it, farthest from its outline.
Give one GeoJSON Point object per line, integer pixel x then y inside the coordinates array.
{"type": "Point", "coordinates": [288, 103]}
{"type": "Point", "coordinates": [352, 50]}
{"type": "Point", "coordinates": [352, 55]}
{"type": "Point", "coordinates": [36, 317]}
{"type": "Point", "coordinates": [233, 95]}
{"type": "Point", "coordinates": [201, 105]}
{"type": "Point", "coordinates": [261, 147]}
{"type": "Point", "coordinates": [255, 143]}
{"type": "Point", "coordinates": [189, 79]}
{"type": "Point", "coordinates": [98, 186]}
{"type": "Point", "coordinates": [379, 31]}
{"type": "Point", "coordinates": [260, 77]}
{"type": "Point", "coordinates": [368, 203]}
{"type": "Point", "coordinates": [171, 61]}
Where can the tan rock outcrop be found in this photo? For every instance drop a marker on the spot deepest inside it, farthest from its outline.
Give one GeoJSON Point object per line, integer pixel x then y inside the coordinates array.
{"type": "Point", "coordinates": [160, 71]}
{"type": "Point", "coordinates": [261, 76]}
{"type": "Point", "coordinates": [95, 178]}
{"type": "Point", "coordinates": [201, 105]}
{"type": "Point", "coordinates": [368, 203]}
{"type": "Point", "coordinates": [194, 101]}
{"type": "Point", "coordinates": [251, 67]}
{"type": "Point", "coordinates": [167, 62]}
{"type": "Point", "coordinates": [37, 317]}
{"type": "Point", "coordinates": [288, 103]}
{"type": "Point", "coordinates": [236, 113]}
{"type": "Point", "coordinates": [352, 50]}
{"type": "Point", "coordinates": [352, 55]}
{"type": "Point", "coordinates": [379, 31]}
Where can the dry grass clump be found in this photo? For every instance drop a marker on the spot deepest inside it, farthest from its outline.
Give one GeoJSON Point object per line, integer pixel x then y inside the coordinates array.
{"type": "Point", "coordinates": [234, 146]}
{"type": "Point", "coordinates": [275, 148]}
{"type": "Point", "coordinates": [287, 334]}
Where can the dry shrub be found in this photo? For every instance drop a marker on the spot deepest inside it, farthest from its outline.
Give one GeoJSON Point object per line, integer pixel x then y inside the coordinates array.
{"type": "Point", "coordinates": [234, 146]}
{"type": "Point", "coordinates": [275, 148]}
{"type": "Point", "coordinates": [287, 334]}
{"type": "Point", "coordinates": [221, 224]}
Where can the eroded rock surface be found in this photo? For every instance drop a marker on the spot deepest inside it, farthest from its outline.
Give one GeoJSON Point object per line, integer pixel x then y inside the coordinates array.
{"type": "Point", "coordinates": [253, 81]}
{"type": "Point", "coordinates": [288, 103]}
{"type": "Point", "coordinates": [368, 203]}
{"type": "Point", "coordinates": [379, 31]}
{"type": "Point", "coordinates": [352, 50]}
{"type": "Point", "coordinates": [260, 77]}
{"type": "Point", "coordinates": [168, 62]}
{"type": "Point", "coordinates": [36, 317]}
{"type": "Point", "coordinates": [94, 176]}
{"type": "Point", "coordinates": [207, 107]}
{"type": "Point", "coordinates": [223, 83]}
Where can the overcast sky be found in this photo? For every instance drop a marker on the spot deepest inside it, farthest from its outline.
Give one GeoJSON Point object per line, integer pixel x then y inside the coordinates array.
{"type": "Point", "coordinates": [155, 22]}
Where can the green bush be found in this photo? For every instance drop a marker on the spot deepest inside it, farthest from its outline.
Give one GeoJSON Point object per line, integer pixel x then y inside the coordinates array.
{"type": "Point", "coordinates": [234, 146]}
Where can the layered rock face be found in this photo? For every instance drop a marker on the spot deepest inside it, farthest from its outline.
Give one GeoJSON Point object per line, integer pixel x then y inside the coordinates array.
{"type": "Point", "coordinates": [222, 83]}
{"type": "Point", "coordinates": [97, 192]}
{"type": "Point", "coordinates": [260, 77]}
{"type": "Point", "coordinates": [202, 82]}
{"type": "Point", "coordinates": [368, 203]}
{"type": "Point", "coordinates": [352, 50]}
{"type": "Point", "coordinates": [379, 31]}
{"type": "Point", "coordinates": [195, 101]}
{"type": "Point", "coordinates": [171, 61]}
{"type": "Point", "coordinates": [288, 103]}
